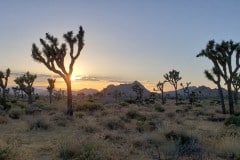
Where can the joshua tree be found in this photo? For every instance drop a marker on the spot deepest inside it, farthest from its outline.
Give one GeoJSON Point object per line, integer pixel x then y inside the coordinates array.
{"type": "Point", "coordinates": [139, 91]}
{"type": "Point", "coordinates": [50, 88]}
{"type": "Point", "coordinates": [173, 77]}
{"type": "Point", "coordinates": [186, 88]}
{"type": "Point", "coordinates": [217, 81]}
{"type": "Point", "coordinates": [236, 86]}
{"type": "Point", "coordinates": [221, 56]}
{"type": "Point", "coordinates": [25, 83]}
{"type": "Point", "coordinates": [4, 81]}
{"type": "Point", "coordinates": [160, 87]}
{"type": "Point", "coordinates": [53, 56]}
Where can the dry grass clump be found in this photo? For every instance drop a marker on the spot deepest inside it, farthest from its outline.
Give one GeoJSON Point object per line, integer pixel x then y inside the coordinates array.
{"type": "Point", "coordinates": [38, 122]}
{"type": "Point", "coordinates": [60, 119]}
{"type": "Point", "coordinates": [14, 113]}
{"type": "Point", "coordinates": [5, 151]}
{"type": "Point", "coordinates": [77, 149]}
{"type": "Point", "coordinates": [229, 148]}
{"type": "Point", "coordinates": [89, 106]}
{"type": "Point", "coordinates": [133, 114]}
{"type": "Point", "coordinates": [114, 124]}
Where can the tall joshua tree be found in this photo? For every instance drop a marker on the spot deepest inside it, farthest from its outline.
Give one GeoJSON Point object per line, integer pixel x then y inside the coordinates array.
{"type": "Point", "coordinates": [25, 83]}
{"type": "Point", "coordinates": [216, 79]}
{"type": "Point", "coordinates": [160, 87]}
{"type": "Point", "coordinates": [173, 77]}
{"type": "Point", "coordinates": [53, 56]}
{"type": "Point", "coordinates": [50, 88]}
{"type": "Point", "coordinates": [186, 88]}
{"type": "Point", "coordinates": [222, 56]}
{"type": "Point", "coordinates": [4, 81]}
{"type": "Point", "coordinates": [236, 86]}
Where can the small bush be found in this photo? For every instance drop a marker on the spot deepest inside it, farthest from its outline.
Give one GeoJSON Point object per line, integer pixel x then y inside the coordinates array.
{"type": "Point", "coordinates": [187, 145]}
{"type": "Point", "coordinates": [145, 126]}
{"type": "Point", "coordinates": [114, 124]}
{"type": "Point", "coordinates": [135, 115]}
{"type": "Point", "coordinates": [60, 119]}
{"type": "Point", "coordinates": [4, 153]}
{"type": "Point", "coordinates": [159, 108]}
{"type": "Point", "coordinates": [78, 151]}
{"type": "Point", "coordinates": [89, 106]}
{"type": "Point", "coordinates": [233, 120]}
{"type": "Point", "coordinates": [38, 123]}
{"type": "Point", "coordinates": [124, 104]}
{"type": "Point", "coordinates": [14, 113]}
{"type": "Point", "coordinates": [66, 151]}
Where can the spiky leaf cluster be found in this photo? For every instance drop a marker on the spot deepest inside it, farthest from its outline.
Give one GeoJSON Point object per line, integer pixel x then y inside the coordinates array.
{"type": "Point", "coordinates": [173, 77]}
{"type": "Point", "coordinates": [25, 82]}
{"type": "Point", "coordinates": [221, 56]}
{"type": "Point", "coordinates": [4, 78]}
{"type": "Point", "coordinates": [51, 85]}
{"type": "Point", "coordinates": [53, 55]}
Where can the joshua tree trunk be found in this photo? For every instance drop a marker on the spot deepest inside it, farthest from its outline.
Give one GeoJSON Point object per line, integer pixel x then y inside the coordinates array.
{"type": "Point", "coordinates": [221, 98]}
{"type": "Point", "coordinates": [50, 97]}
{"type": "Point", "coordinates": [30, 98]}
{"type": "Point", "coordinates": [230, 98]}
{"type": "Point", "coordinates": [176, 95]}
{"type": "Point", "coordinates": [236, 96]}
{"type": "Point", "coordinates": [163, 101]}
{"type": "Point", "coordinates": [69, 96]}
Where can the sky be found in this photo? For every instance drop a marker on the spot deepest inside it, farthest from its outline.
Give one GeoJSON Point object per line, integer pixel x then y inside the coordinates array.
{"type": "Point", "coordinates": [125, 40]}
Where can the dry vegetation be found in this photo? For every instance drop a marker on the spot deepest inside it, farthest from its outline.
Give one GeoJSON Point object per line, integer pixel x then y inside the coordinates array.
{"type": "Point", "coordinates": [118, 131]}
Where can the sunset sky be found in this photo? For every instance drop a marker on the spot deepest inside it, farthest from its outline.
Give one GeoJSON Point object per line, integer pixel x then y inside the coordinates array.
{"type": "Point", "coordinates": [125, 40]}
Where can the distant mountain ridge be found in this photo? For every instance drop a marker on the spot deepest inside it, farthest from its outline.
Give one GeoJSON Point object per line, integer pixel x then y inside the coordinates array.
{"type": "Point", "coordinates": [125, 90]}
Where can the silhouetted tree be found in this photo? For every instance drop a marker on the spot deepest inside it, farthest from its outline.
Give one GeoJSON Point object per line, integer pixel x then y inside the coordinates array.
{"type": "Point", "coordinates": [236, 86]}
{"type": "Point", "coordinates": [50, 88]}
{"type": "Point", "coordinates": [221, 56]}
{"type": "Point", "coordinates": [186, 88]}
{"type": "Point", "coordinates": [139, 92]}
{"type": "Point", "coordinates": [160, 87]}
{"type": "Point", "coordinates": [53, 56]}
{"type": "Point", "coordinates": [217, 81]}
{"type": "Point", "coordinates": [4, 81]}
{"type": "Point", "coordinates": [25, 83]}
{"type": "Point", "coordinates": [173, 77]}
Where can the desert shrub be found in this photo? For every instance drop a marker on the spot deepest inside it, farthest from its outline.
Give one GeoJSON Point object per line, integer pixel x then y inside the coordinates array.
{"type": "Point", "coordinates": [145, 126]}
{"type": "Point", "coordinates": [186, 145]}
{"type": "Point", "coordinates": [132, 114]}
{"type": "Point", "coordinates": [229, 148]}
{"type": "Point", "coordinates": [216, 118]}
{"type": "Point", "coordinates": [4, 153]}
{"type": "Point", "coordinates": [60, 119]}
{"type": "Point", "coordinates": [3, 120]}
{"type": "Point", "coordinates": [171, 114]}
{"type": "Point", "coordinates": [89, 127]}
{"type": "Point", "coordinates": [88, 152]}
{"type": "Point", "coordinates": [75, 150]}
{"type": "Point", "coordinates": [233, 120]}
{"type": "Point", "coordinates": [124, 104]}
{"type": "Point", "coordinates": [14, 113]}
{"type": "Point", "coordinates": [159, 108]}
{"type": "Point", "coordinates": [114, 124]}
{"type": "Point", "coordinates": [66, 151]}
{"type": "Point", "coordinates": [14, 101]}
{"type": "Point", "coordinates": [79, 115]}
{"type": "Point", "coordinates": [38, 123]}
{"type": "Point", "coordinates": [89, 106]}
